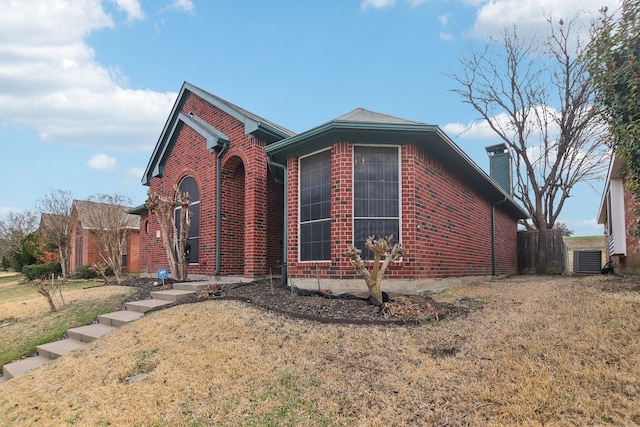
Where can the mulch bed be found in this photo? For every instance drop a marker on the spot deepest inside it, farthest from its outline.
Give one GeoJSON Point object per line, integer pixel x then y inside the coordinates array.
{"type": "Point", "coordinates": [318, 306]}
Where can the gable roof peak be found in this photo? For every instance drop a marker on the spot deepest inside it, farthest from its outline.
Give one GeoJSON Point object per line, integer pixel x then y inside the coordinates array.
{"type": "Point", "coordinates": [363, 115]}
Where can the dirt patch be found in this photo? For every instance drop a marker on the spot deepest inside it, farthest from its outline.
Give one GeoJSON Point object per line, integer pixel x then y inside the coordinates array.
{"type": "Point", "coordinates": [321, 306]}
{"type": "Point", "coordinates": [613, 283]}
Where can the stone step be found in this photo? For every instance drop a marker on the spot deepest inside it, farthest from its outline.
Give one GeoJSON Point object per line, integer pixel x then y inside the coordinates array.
{"type": "Point", "coordinates": [90, 332]}
{"type": "Point", "coordinates": [145, 305]}
{"type": "Point", "coordinates": [11, 370]}
{"type": "Point", "coordinates": [55, 349]}
{"type": "Point", "coordinates": [190, 286]}
{"type": "Point", "coordinates": [171, 294]}
{"type": "Point", "coordinates": [119, 318]}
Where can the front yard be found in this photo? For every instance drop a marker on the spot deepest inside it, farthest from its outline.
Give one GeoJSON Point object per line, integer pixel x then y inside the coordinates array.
{"type": "Point", "coordinates": [532, 351]}
{"type": "Point", "coordinates": [26, 321]}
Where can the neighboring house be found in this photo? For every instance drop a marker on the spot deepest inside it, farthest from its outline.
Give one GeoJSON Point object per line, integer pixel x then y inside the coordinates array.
{"type": "Point", "coordinates": [84, 247]}
{"type": "Point", "coordinates": [255, 185]}
{"type": "Point", "coordinates": [49, 221]}
{"type": "Point", "coordinates": [617, 216]}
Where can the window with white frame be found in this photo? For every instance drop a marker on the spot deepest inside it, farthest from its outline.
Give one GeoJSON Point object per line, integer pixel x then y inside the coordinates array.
{"type": "Point", "coordinates": [189, 185]}
{"type": "Point", "coordinates": [376, 194]}
{"type": "Point", "coordinates": [315, 207]}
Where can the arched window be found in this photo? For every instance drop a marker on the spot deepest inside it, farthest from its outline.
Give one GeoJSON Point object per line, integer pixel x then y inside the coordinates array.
{"type": "Point", "coordinates": [188, 185]}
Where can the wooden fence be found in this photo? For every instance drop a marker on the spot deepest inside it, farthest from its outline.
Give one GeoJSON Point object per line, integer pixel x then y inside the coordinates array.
{"type": "Point", "coordinates": [528, 249]}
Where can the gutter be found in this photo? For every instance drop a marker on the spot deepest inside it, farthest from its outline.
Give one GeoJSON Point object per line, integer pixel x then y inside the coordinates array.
{"type": "Point", "coordinates": [493, 234]}
{"type": "Point", "coordinates": [271, 163]}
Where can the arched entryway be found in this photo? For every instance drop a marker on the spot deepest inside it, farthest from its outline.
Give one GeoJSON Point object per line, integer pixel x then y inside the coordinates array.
{"type": "Point", "coordinates": [232, 217]}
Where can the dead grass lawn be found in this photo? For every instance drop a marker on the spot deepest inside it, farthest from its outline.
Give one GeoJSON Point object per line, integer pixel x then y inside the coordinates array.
{"type": "Point", "coordinates": [28, 302]}
{"type": "Point", "coordinates": [538, 351]}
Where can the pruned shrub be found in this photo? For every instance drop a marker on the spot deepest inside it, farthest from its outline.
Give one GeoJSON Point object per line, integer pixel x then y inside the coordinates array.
{"type": "Point", "coordinates": [85, 272]}
{"type": "Point", "coordinates": [41, 271]}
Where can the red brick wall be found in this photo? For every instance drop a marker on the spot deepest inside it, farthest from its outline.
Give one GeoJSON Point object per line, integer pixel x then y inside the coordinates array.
{"type": "Point", "coordinates": [233, 216]}
{"type": "Point", "coordinates": [245, 248]}
{"type": "Point", "coordinates": [446, 225]}
{"type": "Point", "coordinates": [631, 263]}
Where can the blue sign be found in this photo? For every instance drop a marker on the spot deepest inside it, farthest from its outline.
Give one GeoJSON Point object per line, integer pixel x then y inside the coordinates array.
{"type": "Point", "coordinates": [163, 273]}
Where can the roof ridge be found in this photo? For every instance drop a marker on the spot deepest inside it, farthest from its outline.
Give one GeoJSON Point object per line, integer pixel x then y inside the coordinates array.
{"type": "Point", "coordinates": [369, 116]}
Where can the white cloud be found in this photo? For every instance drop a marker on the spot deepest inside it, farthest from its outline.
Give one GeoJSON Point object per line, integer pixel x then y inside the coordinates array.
{"type": "Point", "coordinates": [134, 175]}
{"type": "Point", "coordinates": [376, 4]}
{"type": "Point", "coordinates": [183, 5]}
{"type": "Point", "coordinates": [473, 130]}
{"type": "Point", "coordinates": [445, 18]}
{"type": "Point", "coordinates": [446, 36]}
{"type": "Point", "coordinates": [493, 16]}
{"type": "Point", "coordinates": [52, 84]}
{"type": "Point", "coordinates": [583, 227]}
{"type": "Point", "coordinates": [102, 162]}
{"type": "Point", "coordinates": [131, 8]}
{"type": "Point", "coordinates": [5, 210]}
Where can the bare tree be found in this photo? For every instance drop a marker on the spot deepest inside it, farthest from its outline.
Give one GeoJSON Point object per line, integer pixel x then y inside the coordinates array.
{"type": "Point", "coordinates": [514, 86]}
{"type": "Point", "coordinates": [14, 229]}
{"type": "Point", "coordinates": [174, 237]}
{"type": "Point", "coordinates": [110, 224]}
{"type": "Point", "coordinates": [55, 208]}
{"type": "Point", "coordinates": [380, 247]}
{"type": "Point", "coordinates": [49, 289]}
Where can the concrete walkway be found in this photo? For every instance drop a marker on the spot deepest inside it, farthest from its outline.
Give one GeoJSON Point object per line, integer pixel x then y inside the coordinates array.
{"type": "Point", "coordinates": [77, 337]}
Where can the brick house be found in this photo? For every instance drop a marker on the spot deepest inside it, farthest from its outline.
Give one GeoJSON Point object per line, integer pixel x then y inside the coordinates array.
{"type": "Point", "coordinates": [262, 195]}
{"type": "Point", "coordinates": [617, 215]}
{"type": "Point", "coordinates": [84, 248]}
{"type": "Point", "coordinates": [214, 150]}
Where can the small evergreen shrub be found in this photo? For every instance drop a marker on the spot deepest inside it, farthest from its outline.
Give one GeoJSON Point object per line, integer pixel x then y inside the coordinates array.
{"type": "Point", "coordinates": [41, 271]}
{"type": "Point", "coordinates": [85, 272]}
{"type": "Point", "coordinates": [88, 272]}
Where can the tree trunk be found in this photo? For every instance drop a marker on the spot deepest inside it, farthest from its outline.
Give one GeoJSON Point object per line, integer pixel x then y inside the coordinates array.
{"type": "Point", "coordinates": [380, 248]}
{"type": "Point", "coordinates": [541, 252]}
{"type": "Point", "coordinates": [64, 264]}
{"type": "Point", "coordinates": [42, 290]}
{"type": "Point", "coordinates": [375, 288]}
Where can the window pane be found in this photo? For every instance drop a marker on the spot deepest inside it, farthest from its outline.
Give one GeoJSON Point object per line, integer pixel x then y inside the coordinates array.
{"type": "Point", "coordinates": [195, 249]}
{"type": "Point", "coordinates": [376, 182]}
{"type": "Point", "coordinates": [189, 185]}
{"type": "Point", "coordinates": [315, 241]}
{"type": "Point", "coordinates": [376, 195]}
{"type": "Point", "coordinates": [363, 228]}
{"type": "Point", "coordinates": [315, 205]}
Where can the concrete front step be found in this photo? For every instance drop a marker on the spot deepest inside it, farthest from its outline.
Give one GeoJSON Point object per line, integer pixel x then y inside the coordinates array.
{"type": "Point", "coordinates": [119, 318]}
{"type": "Point", "coordinates": [55, 349]}
{"type": "Point", "coordinates": [190, 286]}
{"type": "Point", "coordinates": [145, 305]}
{"type": "Point", "coordinates": [11, 370]}
{"type": "Point", "coordinates": [90, 332]}
{"type": "Point", "coordinates": [171, 294]}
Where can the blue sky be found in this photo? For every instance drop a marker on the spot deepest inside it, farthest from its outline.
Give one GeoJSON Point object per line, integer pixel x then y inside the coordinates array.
{"type": "Point", "coordinates": [87, 85]}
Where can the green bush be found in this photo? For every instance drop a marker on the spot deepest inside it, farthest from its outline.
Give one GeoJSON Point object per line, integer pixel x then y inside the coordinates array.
{"type": "Point", "coordinates": [41, 271]}
{"type": "Point", "coordinates": [85, 272]}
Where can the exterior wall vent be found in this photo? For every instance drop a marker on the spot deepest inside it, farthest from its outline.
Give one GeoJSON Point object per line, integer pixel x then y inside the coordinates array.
{"type": "Point", "coordinates": [500, 166]}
